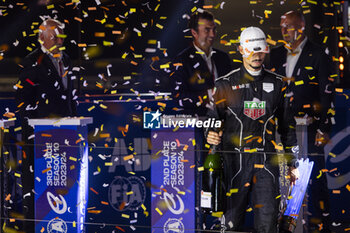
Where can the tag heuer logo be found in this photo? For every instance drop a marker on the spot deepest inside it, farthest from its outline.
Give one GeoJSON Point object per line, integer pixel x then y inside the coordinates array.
{"type": "Point", "coordinates": [254, 109]}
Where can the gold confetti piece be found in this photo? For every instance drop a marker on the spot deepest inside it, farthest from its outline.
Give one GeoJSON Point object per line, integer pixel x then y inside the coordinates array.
{"type": "Point", "coordinates": [249, 209]}
{"type": "Point", "coordinates": [185, 148]}
{"type": "Point", "coordinates": [42, 229]}
{"type": "Point", "coordinates": [104, 135]}
{"type": "Point", "coordinates": [103, 106]}
{"type": "Point", "coordinates": [129, 193]}
{"type": "Point", "coordinates": [107, 43]}
{"type": "Point", "coordinates": [336, 191]}
{"type": "Point", "coordinates": [164, 66]}
{"type": "Point", "coordinates": [332, 154]}
{"type": "Point", "coordinates": [340, 90]}
{"type": "Point", "coordinates": [159, 26]}
{"type": "Point", "coordinates": [46, 170]}
{"type": "Point", "coordinates": [181, 192]}
{"type": "Point", "coordinates": [217, 21]}
{"type": "Point", "coordinates": [108, 164]}
{"type": "Point", "coordinates": [301, 82]}
{"type": "Point", "coordinates": [93, 190]}
{"type": "Point", "coordinates": [125, 216]}
{"type": "Point", "coordinates": [192, 166]}
{"type": "Point", "coordinates": [46, 135]}
{"type": "Point", "coordinates": [132, 173]}
{"type": "Point", "coordinates": [193, 142]}
{"type": "Point", "coordinates": [325, 39]}
{"type": "Point", "coordinates": [8, 197]}
{"type": "Point", "coordinates": [220, 101]}
{"type": "Point", "coordinates": [233, 191]}
{"type": "Point", "coordinates": [289, 197]}
{"type": "Point", "coordinates": [74, 224]}
{"type": "Point", "coordinates": [347, 187]}
{"type": "Point", "coordinates": [307, 106]}
{"type": "Point", "coordinates": [94, 211]}
{"type": "Point", "coordinates": [312, 2]}
{"type": "Point", "coordinates": [334, 169]}
{"type": "Point", "coordinates": [91, 108]}
{"type": "Point", "coordinates": [207, 6]}
{"type": "Point", "coordinates": [161, 104]}
{"type": "Point", "coordinates": [156, 8]}
{"type": "Point", "coordinates": [247, 137]}
{"type": "Point", "coordinates": [159, 212]}
{"type": "Point", "coordinates": [200, 169]}
{"type": "Point", "coordinates": [72, 158]}
{"type": "Point", "coordinates": [322, 205]}
{"type": "Point", "coordinates": [194, 9]}
{"type": "Point", "coordinates": [278, 196]}
{"type": "Point", "coordinates": [272, 42]}
{"type": "Point", "coordinates": [258, 165]}
{"type": "Point", "coordinates": [50, 6]}
{"type": "Point", "coordinates": [78, 19]}
{"type": "Point", "coordinates": [77, 141]}
{"type": "Point", "coordinates": [128, 157]}
{"type": "Point", "coordinates": [143, 207]}
{"type": "Point", "coordinates": [217, 214]}
{"type": "Point", "coordinates": [235, 60]}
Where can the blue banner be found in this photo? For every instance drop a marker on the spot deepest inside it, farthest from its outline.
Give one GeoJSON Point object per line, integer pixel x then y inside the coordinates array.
{"type": "Point", "coordinates": [173, 181]}
{"type": "Point", "coordinates": [61, 178]}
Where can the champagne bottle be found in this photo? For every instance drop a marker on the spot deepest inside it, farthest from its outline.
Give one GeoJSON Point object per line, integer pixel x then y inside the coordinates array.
{"type": "Point", "coordinates": [213, 193]}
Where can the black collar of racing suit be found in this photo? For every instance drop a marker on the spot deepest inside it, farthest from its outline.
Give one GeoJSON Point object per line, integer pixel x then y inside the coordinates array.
{"type": "Point", "coordinates": [247, 77]}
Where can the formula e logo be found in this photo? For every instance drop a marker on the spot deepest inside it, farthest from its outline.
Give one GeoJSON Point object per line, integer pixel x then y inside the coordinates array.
{"type": "Point", "coordinates": [254, 109]}
{"type": "Point", "coordinates": [57, 204]}
{"type": "Point", "coordinates": [126, 193]}
{"type": "Point", "coordinates": [173, 225]}
{"type": "Point", "coordinates": [151, 120]}
{"type": "Point", "coordinates": [57, 225]}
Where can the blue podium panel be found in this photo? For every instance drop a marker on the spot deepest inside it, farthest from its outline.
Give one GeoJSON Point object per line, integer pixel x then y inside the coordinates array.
{"type": "Point", "coordinates": [173, 181]}
{"type": "Point", "coordinates": [119, 167]}
{"type": "Point", "coordinates": [61, 178]}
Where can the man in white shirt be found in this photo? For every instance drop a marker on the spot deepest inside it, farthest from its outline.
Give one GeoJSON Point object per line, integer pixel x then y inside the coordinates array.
{"type": "Point", "coordinates": [310, 76]}
{"type": "Point", "coordinates": [44, 90]}
{"type": "Point", "coordinates": [200, 65]}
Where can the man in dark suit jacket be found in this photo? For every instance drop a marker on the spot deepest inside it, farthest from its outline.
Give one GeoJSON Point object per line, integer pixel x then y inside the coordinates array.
{"type": "Point", "coordinates": [309, 72]}
{"type": "Point", "coordinates": [199, 65]}
{"type": "Point", "coordinates": [45, 89]}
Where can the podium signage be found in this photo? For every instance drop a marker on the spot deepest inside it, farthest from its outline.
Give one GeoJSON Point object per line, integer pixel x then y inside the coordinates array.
{"type": "Point", "coordinates": [173, 181]}
{"type": "Point", "coordinates": [61, 178]}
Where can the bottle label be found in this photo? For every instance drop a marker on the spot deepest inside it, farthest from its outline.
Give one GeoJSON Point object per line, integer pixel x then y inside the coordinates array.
{"type": "Point", "coordinates": [205, 199]}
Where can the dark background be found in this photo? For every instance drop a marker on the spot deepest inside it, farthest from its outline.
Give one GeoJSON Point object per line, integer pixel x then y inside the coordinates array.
{"type": "Point", "coordinates": [322, 18]}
